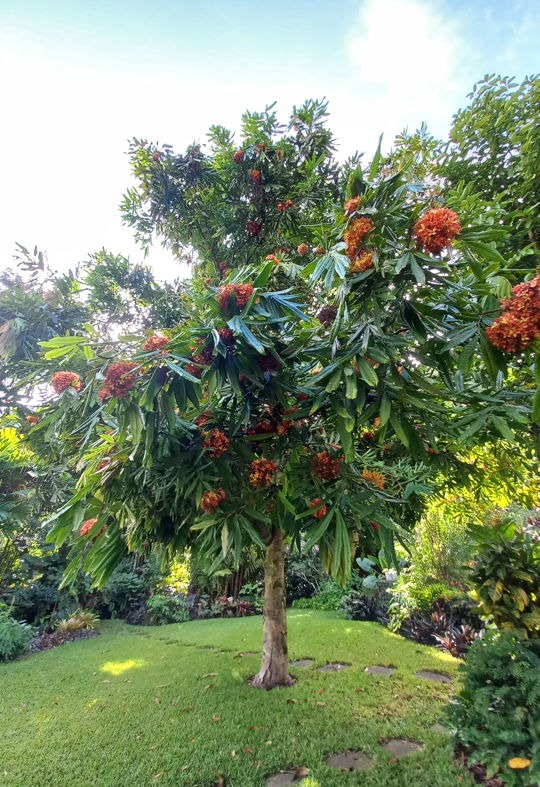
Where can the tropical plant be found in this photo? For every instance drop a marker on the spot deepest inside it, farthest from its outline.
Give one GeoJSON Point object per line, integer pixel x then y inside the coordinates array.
{"type": "Point", "coordinates": [497, 713]}
{"type": "Point", "coordinates": [506, 574]}
{"type": "Point", "coordinates": [15, 635]}
{"type": "Point", "coordinates": [332, 362]}
{"type": "Point", "coordinates": [163, 609]}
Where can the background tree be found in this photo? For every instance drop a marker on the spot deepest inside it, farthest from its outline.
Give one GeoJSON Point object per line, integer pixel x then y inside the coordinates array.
{"type": "Point", "coordinates": [260, 417]}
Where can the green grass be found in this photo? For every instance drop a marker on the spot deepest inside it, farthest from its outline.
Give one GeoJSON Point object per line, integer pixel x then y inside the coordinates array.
{"type": "Point", "coordinates": [86, 713]}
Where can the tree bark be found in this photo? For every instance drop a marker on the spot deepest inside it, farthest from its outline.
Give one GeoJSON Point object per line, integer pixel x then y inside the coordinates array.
{"type": "Point", "coordinates": [275, 663]}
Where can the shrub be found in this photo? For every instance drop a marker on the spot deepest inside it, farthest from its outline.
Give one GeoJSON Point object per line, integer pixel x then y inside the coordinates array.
{"type": "Point", "coordinates": [305, 574]}
{"type": "Point", "coordinates": [440, 550]}
{"type": "Point", "coordinates": [413, 593]}
{"type": "Point", "coordinates": [506, 574]}
{"type": "Point", "coordinates": [15, 636]}
{"type": "Point", "coordinates": [359, 606]}
{"type": "Point", "coordinates": [167, 609]}
{"type": "Point", "coordinates": [329, 598]}
{"type": "Point", "coordinates": [450, 627]}
{"type": "Point", "coordinates": [82, 619]}
{"type": "Point", "coordinates": [497, 713]}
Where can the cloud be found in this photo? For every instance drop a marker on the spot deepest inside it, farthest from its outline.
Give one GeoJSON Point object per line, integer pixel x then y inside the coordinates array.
{"type": "Point", "coordinates": [405, 66]}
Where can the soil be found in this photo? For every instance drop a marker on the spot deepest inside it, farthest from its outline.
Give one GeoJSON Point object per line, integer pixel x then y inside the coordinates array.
{"type": "Point", "coordinates": [57, 638]}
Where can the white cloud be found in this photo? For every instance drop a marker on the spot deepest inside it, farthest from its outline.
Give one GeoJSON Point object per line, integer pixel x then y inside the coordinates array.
{"type": "Point", "coordinates": [405, 67]}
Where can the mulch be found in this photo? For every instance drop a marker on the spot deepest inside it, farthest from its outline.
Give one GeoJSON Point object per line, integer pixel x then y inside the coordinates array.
{"type": "Point", "coordinates": [57, 638]}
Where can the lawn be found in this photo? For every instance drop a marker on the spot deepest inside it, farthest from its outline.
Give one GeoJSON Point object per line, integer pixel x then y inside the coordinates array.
{"type": "Point", "coordinates": [140, 706]}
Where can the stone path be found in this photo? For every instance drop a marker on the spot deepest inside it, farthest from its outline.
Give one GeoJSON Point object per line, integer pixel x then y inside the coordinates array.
{"type": "Point", "coordinates": [379, 670]}
{"type": "Point", "coordinates": [350, 761]}
{"type": "Point", "coordinates": [334, 666]}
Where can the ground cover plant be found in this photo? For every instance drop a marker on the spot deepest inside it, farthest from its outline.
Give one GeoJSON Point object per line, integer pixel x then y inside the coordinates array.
{"type": "Point", "coordinates": [170, 706]}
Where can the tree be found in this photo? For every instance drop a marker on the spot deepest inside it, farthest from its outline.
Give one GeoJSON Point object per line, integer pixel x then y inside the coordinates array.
{"type": "Point", "coordinates": [332, 362]}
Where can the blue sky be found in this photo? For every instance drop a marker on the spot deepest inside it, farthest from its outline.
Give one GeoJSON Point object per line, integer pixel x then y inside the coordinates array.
{"type": "Point", "coordinates": [80, 78]}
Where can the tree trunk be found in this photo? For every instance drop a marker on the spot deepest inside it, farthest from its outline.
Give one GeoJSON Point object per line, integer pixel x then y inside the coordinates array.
{"type": "Point", "coordinates": [275, 663]}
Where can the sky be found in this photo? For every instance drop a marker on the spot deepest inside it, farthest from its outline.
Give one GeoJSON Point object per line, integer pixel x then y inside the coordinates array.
{"type": "Point", "coordinates": [79, 78]}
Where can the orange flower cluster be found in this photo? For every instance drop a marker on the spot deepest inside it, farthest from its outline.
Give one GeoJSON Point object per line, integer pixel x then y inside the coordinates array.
{"type": "Point", "coordinates": [242, 292]}
{"type": "Point", "coordinates": [263, 427]}
{"type": "Point", "coordinates": [374, 477]}
{"type": "Point", "coordinates": [327, 315]}
{"type": "Point", "coordinates": [262, 471]}
{"type": "Point", "coordinates": [253, 227]}
{"type": "Point", "coordinates": [32, 419]}
{"type": "Point", "coordinates": [326, 467]}
{"type": "Point", "coordinates": [118, 381]}
{"type": "Point", "coordinates": [211, 500]}
{"type": "Point", "coordinates": [352, 205]}
{"type": "Point", "coordinates": [270, 257]}
{"type": "Point", "coordinates": [284, 205]}
{"type": "Point", "coordinates": [268, 363]}
{"type": "Point", "coordinates": [354, 235]}
{"type": "Point", "coordinates": [319, 250]}
{"type": "Point", "coordinates": [320, 512]}
{"type": "Point", "coordinates": [63, 380]}
{"type": "Point", "coordinates": [218, 442]}
{"type": "Point", "coordinates": [519, 324]}
{"type": "Point", "coordinates": [303, 249]}
{"type": "Point", "coordinates": [255, 176]}
{"type": "Point", "coordinates": [362, 263]}
{"type": "Point", "coordinates": [156, 156]}
{"type": "Point", "coordinates": [87, 526]}
{"type": "Point", "coordinates": [238, 156]}
{"type": "Point", "coordinates": [368, 436]}
{"type": "Point", "coordinates": [436, 228]}
{"type": "Point", "coordinates": [194, 370]}
{"type": "Point", "coordinates": [154, 343]}
{"type": "Point", "coordinates": [204, 419]}
{"type": "Point", "coordinates": [227, 337]}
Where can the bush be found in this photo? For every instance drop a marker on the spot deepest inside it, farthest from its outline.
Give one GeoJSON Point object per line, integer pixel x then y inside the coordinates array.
{"type": "Point", "coordinates": [440, 550]}
{"type": "Point", "coordinates": [329, 598]}
{"type": "Point", "coordinates": [305, 574]}
{"type": "Point", "coordinates": [167, 609]}
{"type": "Point", "coordinates": [359, 606]}
{"type": "Point", "coordinates": [497, 713]}
{"type": "Point", "coordinates": [82, 619]}
{"type": "Point", "coordinates": [450, 627]}
{"type": "Point", "coordinates": [506, 573]}
{"type": "Point", "coordinates": [413, 593]}
{"type": "Point", "coordinates": [15, 636]}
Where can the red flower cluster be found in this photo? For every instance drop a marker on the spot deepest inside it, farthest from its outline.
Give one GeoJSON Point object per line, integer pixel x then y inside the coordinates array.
{"type": "Point", "coordinates": [352, 205]}
{"type": "Point", "coordinates": [284, 205]}
{"type": "Point", "coordinates": [362, 263]}
{"type": "Point", "coordinates": [519, 324]}
{"type": "Point", "coordinates": [256, 176]}
{"type": "Point", "coordinates": [253, 227]}
{"type": "Point", "coordinates": [211, 500]}
{"type": "Point", "coordinates": [268, 363]}
{"type": "Point", "coordinates": [319, 250]}
{"type": "Point", "coordinates": [436, 228]}
{"type": "Point", "coordinates": [227, 337]}
{"type": "Point", "coordinates": [118, 381]}
{"type": "Point", "coordinates": [242, 292]}
{"type": "Point", "coordinates": [375, 525]}
{"type": "Point", "coordinates": [327, 315]}
{"type": "Point", "coordinates": [194, 370]}
{"type": "Point", "coordinates": [262, 471]}
{"type": "Point", "coordinates": [354, 235]}
{"type": "Point", "coordinates": [63, 380]}
{"type": "Point", "coordinates": [263, 427]}
{"type": "Point", "coordinates": [154, 343]}
{"type": "Point", "coordinates": [374, 477]}
{"type": "Point", "coordinates": [156, 156]}
{"type": "Point", "coordinates": [303, 396]}
{"type": "Point", "coordinates": [320, 512]}
{"type": "Point", "coordinates": [31, 419]}
{"type": "Point", "coordinates": [238, 156]}
{"type": "Point", "coordinates": [87, 526]}
{"type": "Point", "coordinates": [204, 419]}
{"type": "Point", "coordinates": [368, 436]}
{"type": "Point", "coordinates": [303, 249]}
{"type": "Point", "coordinates": [218, 442]}
{"type": "Point", "coordinates": [326, 467]}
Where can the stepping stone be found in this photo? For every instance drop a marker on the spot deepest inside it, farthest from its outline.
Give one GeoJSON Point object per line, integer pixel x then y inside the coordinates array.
{"type": "Point", "coordinates": [378, 670]}
{"type": "Point", "coordinates": [439, 728]}
{"type": "Point", "coordinates": [302, 662]}
{"type": "Point", "coordinates": [398, 747]}
{"type": "Point", "coordinates": [334, 666]}
{"type": "Point", "coordinates": [350, 761]}
{"type": "Point", "coordinates": [243, 655]}
{"type": "Point", "coordinates": [438, 677]}
{"type": "Point", "coordinates": [285, 777]}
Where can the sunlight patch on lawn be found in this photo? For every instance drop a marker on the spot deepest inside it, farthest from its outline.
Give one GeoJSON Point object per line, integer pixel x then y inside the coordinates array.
{"type": "Point", "coordinates": [118, 667]}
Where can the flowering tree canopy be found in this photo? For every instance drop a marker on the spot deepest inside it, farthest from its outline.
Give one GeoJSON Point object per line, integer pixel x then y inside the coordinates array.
{"type": "Point", "coordinates": [332, 359]}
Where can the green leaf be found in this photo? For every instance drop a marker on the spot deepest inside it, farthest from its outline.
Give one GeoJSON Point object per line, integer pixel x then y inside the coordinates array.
{"type": "Point", "coordinates": [167, 406]}
{"type": "Point", "coordinates": [398, 429]}
{"type": "Point", "coordinates": [286, 502]}
{"type": "Point", "coordinates": [502, 426]}
{"type": "Point", "coordinates": [375, 164]}
{"type": "Point", "coordinates": [333, 383]}
{"type": "Point", "coordinates": [367, 372]}
{"type": "Point", "coordinates": [536, 405]}
{"type": "Point", "coordinates": [351, 387]}
{"type": "Point", "coordinates": [238, 325]}
{"type": "Point", "coordinates": [384, 412]}
{"type": "Point", "coordinates": [136, 423]}
{"type": "Point", "coordinates": [264, 275]}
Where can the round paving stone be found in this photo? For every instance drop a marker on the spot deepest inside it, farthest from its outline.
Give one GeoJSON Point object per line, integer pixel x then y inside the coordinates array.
{"type": "Point", "coordinates": [334, 666]}
{"type": "Point", "coordinates": [379, 670]}
{"type": "Point", "coordinates": [302, 662]}
{"type": "Point", "coordinates": [350, 761]}
{"type": "Point", "coordinates": [438, 677]}
{"type": "Point", "coordinates": [284, 777]}
{"type": "Point", "coordinates": [399, 747]}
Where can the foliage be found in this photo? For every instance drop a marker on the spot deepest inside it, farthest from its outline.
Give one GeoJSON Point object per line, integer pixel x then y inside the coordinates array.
{"type": "Point", "coordinates": [417, 594]}
{"type": "Point", "coordinates": [450, 626]}
{"type": "Point", "coordinates": [15, 635]}
{"type": "Point", "coordinates": [82, 619]}
{"type": "Point", "coordinates": [151, 657]}
{"type": "Point", "coordinates": [361, 606]}
{"type": "Point", "coordinates": [304, 573]}
{"type": "Point", "coordinates": [440, 549]}
{"type": "Point", "coordinates": [329, 597]}
{"type": "Point", "coordinates": [133, 581]}
{"type": "Point", "coordinates": [165, 609]}
{"type": "Point", "coordinates": [497, 713]}
{"type": "Point", "coordinates": [506, 573]}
